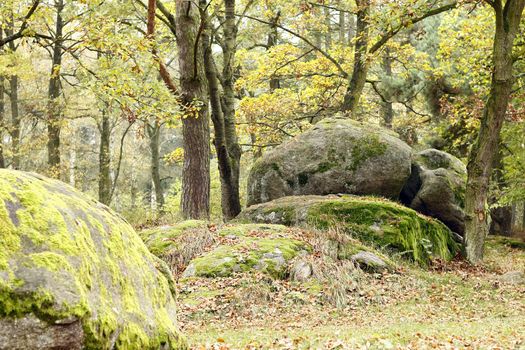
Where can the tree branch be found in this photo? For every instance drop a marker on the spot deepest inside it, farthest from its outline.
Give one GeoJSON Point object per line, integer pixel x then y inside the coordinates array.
{"type": "Point", "coordinates": [316, 48]}
{"type": "Point", "coordinates": [388, 35]}
{"type": "Point", "coordinates": [23, 27]}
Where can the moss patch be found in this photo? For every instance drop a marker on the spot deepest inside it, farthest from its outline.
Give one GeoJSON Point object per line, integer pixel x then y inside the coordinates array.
{"type": "Point", "coordinates": [268, 255]}
{"type": "Point", "coordinates": [375, 220]}
{"type": "Point", "coordinates": [66, 256]}
{"type": "Point", "coordinates": [159, 240]}
{"type": "Point", "coordinates": [370, 147]}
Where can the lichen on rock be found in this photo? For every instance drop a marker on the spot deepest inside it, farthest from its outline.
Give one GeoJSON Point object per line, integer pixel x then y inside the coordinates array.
{"type": "Point", "coordinates": [337, 155]}
{"type": "Point", "coordinates": [69, 260]}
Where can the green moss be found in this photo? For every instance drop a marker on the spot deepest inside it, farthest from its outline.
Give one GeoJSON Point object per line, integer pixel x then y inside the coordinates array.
{"type": "Point", "coordinates": [325, 166]}
{"type": "Point", "coordinates": [160, 240]}
{"type": "Point", "coordinates": [79, 260]}
{"type": "Point", "coordinates": [498, 241]}
{"type": "Point", "coordinates": [368, 219]}
{"type": "Point", "coordinates": [264, 254]}
{"type": "Point", "coordinates": [370, 147]}
{"type": "Point", "coordinates": [389, 225]}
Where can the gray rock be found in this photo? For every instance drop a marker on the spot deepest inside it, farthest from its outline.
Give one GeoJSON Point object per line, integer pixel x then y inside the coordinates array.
{"type": "Point", "coordinates": [436, 188]}
{"type": "Point", "coordinates": [337, 155]}
{"type": "Point", "coordinates": [513, 277]}
{"type": "Point", "coordinates": [190, 271]}
{"type": "Point", "coordinates": [301, 271]}
{"type": "Point", "coordinates": [369, 261]}
{"type": "Point", "coordinates": [29, 332]}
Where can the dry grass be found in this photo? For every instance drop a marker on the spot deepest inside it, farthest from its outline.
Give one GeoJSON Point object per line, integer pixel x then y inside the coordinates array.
{"type": "Point", "coordinates": [451, 306]}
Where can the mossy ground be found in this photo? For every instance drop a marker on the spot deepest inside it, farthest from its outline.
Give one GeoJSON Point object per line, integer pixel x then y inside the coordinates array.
{"type": "Point", "coordinates": [229, 249]}
{"type": "Point", "coordinates": [448, 306]}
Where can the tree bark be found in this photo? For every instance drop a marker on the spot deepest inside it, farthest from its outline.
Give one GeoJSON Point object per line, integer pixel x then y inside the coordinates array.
{"type": "Point", "coordinates": [54, 93]}
{"type": "Point", "coordinates": [14, 130]}
{"type": "Point", "coordinates": [484, 149]}
{"type": "Point", "coordinates": [328, 24]}
{"type": "Point", "coordinates": [388, 111]}
{"type": "Point", "coordinates": [104, 175]}
{"type": "Point", "coordinates": [342, 27]}
{"type": "Point", "coordinates": [351, 28]}
{"type": "Point", "coordinates": [2, 117]}
{"type": "Point", "coordinates": [154, 145]}
{"type": "Point", "coordinates": [501, 216]}
{"type": "Point", "coordinates": [195, 201]}
{"type": "Point", "coordinates": [273, 36]}
{"type": "Point", "coordinates": [223, 110]}
{"type": "Point", "coordinates": [358, 77]}
{"type": "Point", "coordinates": [15, 121]}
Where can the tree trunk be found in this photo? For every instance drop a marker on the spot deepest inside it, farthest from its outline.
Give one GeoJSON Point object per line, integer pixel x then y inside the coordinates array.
{"type": "Point", "coordinates": [228, 84]}
{"type": "Point", "coordinates": [13, 99]}
{"type": "Point", "coordinates": [2, 115]}
{"type": "Point", "coordinates": [328, 24]}
{"type": "Point", "coordinates": [501, 216]}
{"type": "Point", "coordinates": [523, 217]}
{"type": "Point", "coordinates": [358, 77]}
{"type": "Point", "coordinates": [195, 200]}
{"type": "Point", "coordinates": [104, 157]}
{"type": "Point", "coordinates": [54, 92]}
{"type": "Point", "coordinates": [15, 121]}
{"type": "Point", "coordinates": [223, 111]}
{"type": "Point", "coordinates": [272, 41]}
{"type": "Point", "coordinates": [342, 27]}
{"type": "Point", "coordinates": [483, 150]}
{"type": "Point", "coordinates": [388, 111]}
{"type": "Point", "coordinates": [154, 145]}
{"type": "Point", "coordinates": [72, 166]}
{"type": "Point", "coordinates": [351, 28]}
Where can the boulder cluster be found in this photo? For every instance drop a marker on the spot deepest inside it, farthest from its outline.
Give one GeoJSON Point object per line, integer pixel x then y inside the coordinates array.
{"type": "Point", "coordinates": [342, 156]}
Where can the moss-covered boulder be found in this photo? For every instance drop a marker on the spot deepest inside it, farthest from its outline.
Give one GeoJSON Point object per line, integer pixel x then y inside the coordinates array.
{"type": "Point", "coordinates": [436, 188]}
{"type": "Point", "coordinates": [368, 219]}
{"type": "Point", "coordinates": [210, 251]}
{"type": "Point", "coordinates": [161, 240]}
{"type": "Point", "coordinates": [337, 155]}
{"type": "Point", "coordinates": [74, 275]}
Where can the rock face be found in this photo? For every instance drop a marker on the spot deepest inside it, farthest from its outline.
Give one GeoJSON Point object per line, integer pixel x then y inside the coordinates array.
{"type": "Point", "coordinates": [337, 155]}
{"type": "Point", "coordinates": [73, 275]}
{"type": "Point", "coordinates": [436, 188]}
{"type": "Point", "coordinates": [374, 220]}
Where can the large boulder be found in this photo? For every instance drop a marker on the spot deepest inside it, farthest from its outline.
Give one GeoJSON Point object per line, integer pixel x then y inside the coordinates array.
{"type": "Point", "coordinates": [74, 275]}
{"type": "Point", "coordinates": [337, 155]}
{"type": "Point", "coordinates": [436, 188]}
{"type": "Point", "coordinates": [375, 220]}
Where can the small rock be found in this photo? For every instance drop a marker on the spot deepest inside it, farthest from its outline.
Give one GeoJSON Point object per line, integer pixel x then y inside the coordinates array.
{"type": "Point", "coordinates": [369, 261]}
{"type": "Point", "coordinates": [190, 271]}
{"type": "Point", "coordinates": [301, 271]}
{"type": "Point", "coordinates": [513, 277]}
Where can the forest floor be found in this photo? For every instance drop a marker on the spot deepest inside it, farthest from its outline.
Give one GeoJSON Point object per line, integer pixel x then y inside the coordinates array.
{"type": "Point", "coordinates": [449, 306]}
